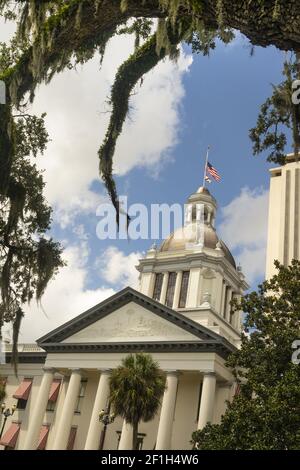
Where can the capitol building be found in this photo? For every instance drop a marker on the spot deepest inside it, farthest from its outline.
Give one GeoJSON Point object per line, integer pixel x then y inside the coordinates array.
{"type": "Point", "coordinates": [181, 314]}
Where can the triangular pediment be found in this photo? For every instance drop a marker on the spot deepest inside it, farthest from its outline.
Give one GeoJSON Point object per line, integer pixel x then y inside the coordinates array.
{"type": "Point", "coordinates": [131, 322]}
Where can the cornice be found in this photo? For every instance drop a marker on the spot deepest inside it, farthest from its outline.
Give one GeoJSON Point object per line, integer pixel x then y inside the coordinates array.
{"type": "Point", "coordinates": [194, 260]}
{"type": "Point", "coordinates": [161, 346]}
{"type": "Point", "coordinates": [28, 358]}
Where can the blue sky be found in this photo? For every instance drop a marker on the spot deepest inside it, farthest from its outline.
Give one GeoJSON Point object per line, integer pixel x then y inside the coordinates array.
{"type": "Point", "coordinates": [223, 93]}
{"type": "Point", "coordinates": [179, 111]}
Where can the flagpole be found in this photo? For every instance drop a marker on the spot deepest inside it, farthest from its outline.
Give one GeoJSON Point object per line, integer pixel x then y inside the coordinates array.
{"type": "Point", "coordinates": [205, 166]}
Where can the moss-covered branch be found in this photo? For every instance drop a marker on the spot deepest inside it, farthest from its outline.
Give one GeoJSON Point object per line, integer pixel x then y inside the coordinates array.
{"type": "Point", "coordinates": [62, 34]}
{"type": "Point", "coordinates": [128, 75]}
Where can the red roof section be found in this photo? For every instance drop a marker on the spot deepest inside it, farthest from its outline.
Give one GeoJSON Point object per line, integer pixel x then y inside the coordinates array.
{"type": "Point", "coordinates": [54, 390]}
{"type": "Point", "coordinates": [43, 437]}
{"type": "Point", "coordinates": [22, 392]}
{"type": "Point", "coordinates": [10, 437]}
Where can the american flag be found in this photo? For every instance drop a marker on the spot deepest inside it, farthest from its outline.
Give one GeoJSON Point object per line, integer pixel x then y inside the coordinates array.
{"type": "Point", "coordinates": [213, 171]}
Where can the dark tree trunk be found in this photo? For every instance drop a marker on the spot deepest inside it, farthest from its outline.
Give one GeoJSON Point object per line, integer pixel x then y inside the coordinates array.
{"type": "Point", "coordinates": [135, 427]}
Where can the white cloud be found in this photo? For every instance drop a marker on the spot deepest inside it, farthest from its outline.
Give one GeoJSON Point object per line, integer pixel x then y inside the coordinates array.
{"type": "Point", "coordinates": [253, 262]}
{"type": "Point", "coordinates": [118, 268]}
{"type": "Point", "coordinates": [244, 229]}
{"type": "Point", "coordinates": [77, 118]}
{"type": "Point", "coordinates": [65, 298]}
{"type": "Point", "coordinates": [77, 121]}
{"type": "Point", "coordinates": [83, 204]}
{"type": "Point", "coordinates": [153, 128]}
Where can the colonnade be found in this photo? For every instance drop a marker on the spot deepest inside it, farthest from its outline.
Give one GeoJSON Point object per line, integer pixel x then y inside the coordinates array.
{"type": "Point", "coordinates": [63, 426]}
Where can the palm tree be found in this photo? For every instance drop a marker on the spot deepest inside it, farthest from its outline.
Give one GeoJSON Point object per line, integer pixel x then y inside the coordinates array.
{"type": "Point", "coordinates": [136, 388]}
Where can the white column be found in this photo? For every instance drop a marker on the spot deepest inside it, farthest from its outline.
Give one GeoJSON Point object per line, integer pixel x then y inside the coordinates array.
{"type": "Point", "coordinates": [177, 289]}
{"type": "Point", "coordinates": [100, 403]}
{"type": "Point", "coordinates": [206, 412]}
{"type": "Point", "coordinates": [66, 417]}
{"type": "Point", "coordinates": [164, 287]}
{"type": "Point", "coordinates": [126, 437]}
{"type": "Point", "coordinates": [164, 433]}
{"type": "Point", "coordinates": [37, 416]}
{"type": "Point", "coordinates": [147, 283]}
{"type": "Point", "coordinates": [195, 288]}
{"type": "Point", "coordinates": [218, 288]}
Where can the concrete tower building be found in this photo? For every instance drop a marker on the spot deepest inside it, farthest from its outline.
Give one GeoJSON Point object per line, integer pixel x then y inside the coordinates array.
{"type": "Point", "coordinates": [283, 242]}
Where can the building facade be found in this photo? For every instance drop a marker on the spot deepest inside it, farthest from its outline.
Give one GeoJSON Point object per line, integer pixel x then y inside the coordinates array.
{"type": "Point", "coordinates": [284, 215]}
{"type": "Point", "coordinates": [181, 315]}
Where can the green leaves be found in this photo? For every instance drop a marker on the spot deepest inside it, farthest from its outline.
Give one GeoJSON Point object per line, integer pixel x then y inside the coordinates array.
{"type": "Point", "coordinates": [266, 413]}
{"type": "Point", "coordinates": [278, 115]}
{"type": "Point", "coordinates": [47, 262]}
{"type": "Point", "coordinates": [28, 260]}
{"type": "Point", "coordinates": [31, 135]}
{"type": "Point", "coordinates": [136, 388]}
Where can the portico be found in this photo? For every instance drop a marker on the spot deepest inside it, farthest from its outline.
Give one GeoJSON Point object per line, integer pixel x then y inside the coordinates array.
{"type": "Point", "coordinates": [182, 398]}
{"type": "Point", "coordinates": [191, 356]}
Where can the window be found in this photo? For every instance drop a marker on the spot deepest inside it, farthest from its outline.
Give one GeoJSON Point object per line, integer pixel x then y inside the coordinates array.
{"type": "Point", "coordinates": [225, 302]}
{"type": "Point", "coordinates": [140, 439]}
{"type": "Point", "coordinates": [199, 401]}
{"type": "Point", "coordinates": [231, 311]}
{"type": "Point", "coordinates": [157, 286]}
{"type": "Point", "coordinates": [53, 394]}
{"type": "Point", "coordinates": [72, 436]}
{"type": "Point", "coordinates": [171, 289]}
{"type": "Point", "coordinates": [184, 289]}
{"type": "Point", "coordinates": [21, 404]}
{"type": "Point", "coordinates": [81, 395]}
{"type": "Point", "coordinates": [51, 405]}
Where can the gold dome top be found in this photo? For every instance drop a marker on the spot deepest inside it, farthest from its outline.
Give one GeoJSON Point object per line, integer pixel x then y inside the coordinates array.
{"type": "Point", "coordinates": [202, 190]}
{"type": "Point", "coordinates": [189, 236]}
{"type": "Point", "coordinates": [186, 236]}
